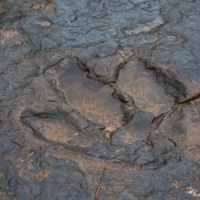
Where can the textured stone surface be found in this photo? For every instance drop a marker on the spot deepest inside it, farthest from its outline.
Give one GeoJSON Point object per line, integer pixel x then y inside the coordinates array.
{"type": "Point", "coordinates": [144, 89]}
{"type": "Point", "coordinates": [99, 100]}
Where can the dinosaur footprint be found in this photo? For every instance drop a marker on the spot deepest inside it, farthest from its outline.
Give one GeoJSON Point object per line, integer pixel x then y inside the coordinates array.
{"type": "Point", "coordinates": [91, 98]}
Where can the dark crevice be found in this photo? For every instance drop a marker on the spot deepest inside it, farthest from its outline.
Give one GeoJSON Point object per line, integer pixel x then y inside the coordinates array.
{"type": "Point", "coordinates": [116, 73]}
{"type": "Point", "coordinates": [127, 103]}
{"type": "Point", "coordinates": [156, 122]}
{"type": "Point", "coordinates": [52, 65]}
{"type": "Point", "coordinates": [154, 165]}
{"type": "Point", "coordinates": [172, 141]}
{"type": "Point", "coordinates": [1, 123]}
{"type": "Point", "coordinates": [45, 115]}
{"type": "Point", "coordinates": [188, 101]}
{"type": "Point", "coordinates": [14, 142]}
{"type": "Point", "coordinates": [91, 74]}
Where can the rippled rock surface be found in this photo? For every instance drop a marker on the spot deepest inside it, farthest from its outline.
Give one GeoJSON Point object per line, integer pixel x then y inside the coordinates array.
{"type": "Point", "coordinates": [100, 100]}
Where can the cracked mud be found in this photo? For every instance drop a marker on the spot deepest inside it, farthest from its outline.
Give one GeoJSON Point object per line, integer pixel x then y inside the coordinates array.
{"type": "Point", "coordinates": [99, 100]}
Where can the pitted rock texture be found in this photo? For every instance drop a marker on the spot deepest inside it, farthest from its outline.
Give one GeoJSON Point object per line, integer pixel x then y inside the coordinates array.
{"type": "Point", "coordinates": [100, 100]}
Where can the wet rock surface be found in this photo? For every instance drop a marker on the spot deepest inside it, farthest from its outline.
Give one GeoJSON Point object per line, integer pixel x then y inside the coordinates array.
{"type": "Point", "coordinates": [99, 100]}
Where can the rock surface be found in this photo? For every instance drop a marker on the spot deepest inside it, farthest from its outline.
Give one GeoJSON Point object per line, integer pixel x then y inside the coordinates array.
{"type": "Point", "coordinates": [99, 100]}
